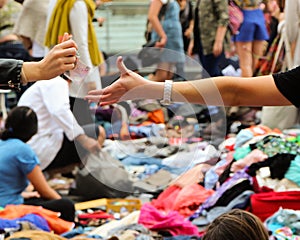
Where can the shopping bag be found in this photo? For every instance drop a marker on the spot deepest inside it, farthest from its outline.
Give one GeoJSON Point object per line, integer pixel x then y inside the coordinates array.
{"type": "Point", "coordinates": [236, 17]}
{"type": "Point", "coordinates": [149, 54]}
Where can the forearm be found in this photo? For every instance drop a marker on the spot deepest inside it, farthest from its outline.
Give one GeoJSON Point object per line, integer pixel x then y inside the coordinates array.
{"type": "Point", "coordinates": [32, 72]}
{"type": "Point", "coordinates": [221, 31]}
{"type": "Point", "coordinates": [49, 193]}
{"type": "Point", "coordinates": [157, 26]}
{"type": "Point", "coordinates": [230, 91]}
{"type": "Point", "coordinates": [213, 91]}
{"type": "Point", "coordinates": [153, 13]}
{"type": "Point", "coordinates": [202, 91]}
{"type": "Point", "coordinates": [219, 91]}
{"type": "Point", "coordinates": [40, 184]}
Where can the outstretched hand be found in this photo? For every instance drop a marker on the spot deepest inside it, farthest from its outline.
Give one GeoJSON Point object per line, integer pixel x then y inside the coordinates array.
{"type": "Point", "coordinates": [122, 89]}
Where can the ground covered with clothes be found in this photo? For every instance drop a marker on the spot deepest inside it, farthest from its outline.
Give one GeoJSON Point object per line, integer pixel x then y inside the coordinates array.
{"type": "Point", "coordinates": [167, 176]}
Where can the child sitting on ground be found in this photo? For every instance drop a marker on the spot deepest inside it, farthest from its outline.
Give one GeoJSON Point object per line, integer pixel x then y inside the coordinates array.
{"type": "Point", "coordinates": [19, 165]}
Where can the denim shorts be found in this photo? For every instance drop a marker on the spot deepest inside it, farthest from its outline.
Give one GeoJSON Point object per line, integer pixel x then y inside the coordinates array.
{"type": "Point", "coordinates": [253, 27]}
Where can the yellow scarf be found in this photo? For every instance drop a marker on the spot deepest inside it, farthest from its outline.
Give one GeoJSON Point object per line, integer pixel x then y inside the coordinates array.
{"type": "Point", "coordinates": [59, 24]}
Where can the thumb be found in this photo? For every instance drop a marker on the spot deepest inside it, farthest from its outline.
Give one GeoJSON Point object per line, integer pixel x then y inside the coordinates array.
{"type": "Point", "coordinates": [121, 66]}
{"type": "Point", "coordinates": [66, 37]}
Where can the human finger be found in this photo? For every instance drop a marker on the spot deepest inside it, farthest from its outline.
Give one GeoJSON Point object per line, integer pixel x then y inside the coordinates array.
{"type": "Point", "coordinates": [69, 52]}
{"type": "Point", "coordinates": [67, 44]}
{"type": "Point", "coordinates": [66, 37]}
{"type": "Point", "coordinates": [121, 66]}
{"type": "Point", "coordinates": [69, 59]}
{"type": "Point", "coordinates": [69, 66]}
{"type": "Point", "coordinates": [105, 103]}
{"type": "Point", "coordinates": [92, 98]}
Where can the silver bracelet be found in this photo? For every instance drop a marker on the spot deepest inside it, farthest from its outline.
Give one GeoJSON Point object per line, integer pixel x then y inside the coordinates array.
{"type": "Point", "coordinates": [167, 93]}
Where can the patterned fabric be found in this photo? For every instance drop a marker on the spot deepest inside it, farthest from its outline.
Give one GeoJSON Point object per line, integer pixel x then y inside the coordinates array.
{"type": "Point", "coordinates": [211, 201]}
{"type": "Point", "coordinates": [212, 14]}
{"type": "Point", "coordinates": [273, 145]}
{"type": "Point", "coordinates": [248, 3]}
{"type": "Point", "coordinates": [8, 16]}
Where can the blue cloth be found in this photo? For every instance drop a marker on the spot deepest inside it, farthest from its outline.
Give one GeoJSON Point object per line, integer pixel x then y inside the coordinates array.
{"type": "Point", "coordinates": [242, 137]}
{"type": "Point", "coordinates": [211, 64]}
{"type": "Point", "coordinates": [211, 201]}
{"type": "Point", "coordinates": [78, 231]}
{"type": "Point", "coordinates": [16, 162]}
{"type": "Point", "coordinates": [146, 131]}
{"type": "Point", "coordinates": [253, 27]}
{"type": "Point", "coordinates": [140, 159]}
{"type": "Point", "coordinates": [294, 170]}
{"type": "Point", "coordinates": [172, 27]}
{"type": "Point", "coordinates": [35, 219]}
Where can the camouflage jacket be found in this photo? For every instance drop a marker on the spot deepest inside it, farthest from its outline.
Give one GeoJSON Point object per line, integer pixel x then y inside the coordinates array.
{"type": "Point", "coordinates": [8, 17]}
{"type": "Point", "coordinates": [212, 14]}
{"type": "Point", "coordinates": [248, 3]}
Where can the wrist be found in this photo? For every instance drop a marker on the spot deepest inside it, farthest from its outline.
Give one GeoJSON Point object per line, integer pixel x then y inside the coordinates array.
{"type": "Point", "coordinates": [167, 93]}
{"type": "Point", "coordinates": [24, 79]}
{"type": "Point", "coordinates": [81, 138]}
{"type": "Point", "coordinates": [32, 71]}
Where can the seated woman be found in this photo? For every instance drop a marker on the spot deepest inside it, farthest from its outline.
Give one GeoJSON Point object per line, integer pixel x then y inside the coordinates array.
{"type": "Point", "coordinates": [19, 165]}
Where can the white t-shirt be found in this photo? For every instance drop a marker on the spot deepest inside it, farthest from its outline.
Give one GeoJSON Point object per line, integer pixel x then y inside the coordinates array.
{"type": "Point", "coordinates": [50, 100]}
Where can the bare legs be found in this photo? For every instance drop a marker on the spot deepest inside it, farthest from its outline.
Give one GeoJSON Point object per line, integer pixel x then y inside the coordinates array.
{"type": "Point", "coordinates": [163, 72]}
{"type": "Point", "coordinates": [249, 53]}
{"type": "Point", "coordinates": [102, 136]}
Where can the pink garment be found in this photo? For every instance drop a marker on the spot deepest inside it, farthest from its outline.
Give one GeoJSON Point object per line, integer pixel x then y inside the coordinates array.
{"type": "Point", "coordinates": [253, 157]}
{"type": "Point", "coordinates": [184, 200]}
{"type": "Point", "coordinates": [172, 221]}
{"type": "Point", "coordinates": [165, 200]}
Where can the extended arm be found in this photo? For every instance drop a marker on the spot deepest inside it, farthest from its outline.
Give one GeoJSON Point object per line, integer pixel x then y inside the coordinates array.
{"type": "Point", "coordinates": [221, 91]}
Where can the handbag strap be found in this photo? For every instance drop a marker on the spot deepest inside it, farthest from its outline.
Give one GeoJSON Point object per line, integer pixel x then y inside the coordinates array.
{"type": "Point", "coordinates": [276, 56]}
{"type": "Point", "coordinates": [283, 44]}
{"type": "Point", "coordinates": [288, 51]}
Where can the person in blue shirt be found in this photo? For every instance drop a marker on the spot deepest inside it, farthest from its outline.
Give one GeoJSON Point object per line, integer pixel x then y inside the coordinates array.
{"type": "Point", "coordinates": [19, 167]}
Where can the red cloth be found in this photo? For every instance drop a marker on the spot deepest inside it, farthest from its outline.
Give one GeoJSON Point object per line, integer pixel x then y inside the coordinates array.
{"type": "Point", "coordinates": [172, 221]}
{"type": "Point", "coordinates": [95, 215]}
{"type": "Point", "coordinates": [266, 204]}
{"type": "Point", "coordinates": [56, 224]}
{"type": "Point", "coordinates": [183, 200]}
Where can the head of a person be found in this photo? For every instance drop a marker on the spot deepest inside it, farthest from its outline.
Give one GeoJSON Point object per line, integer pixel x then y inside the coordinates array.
{"type": "Point", "coordinates": [236, 224]}
{"type": "Point", "coordinates": [21, 123]}
{"type": "Point", "coordinates": [182, 4]}
{"type": "Point", "coordinates": [2, 3]}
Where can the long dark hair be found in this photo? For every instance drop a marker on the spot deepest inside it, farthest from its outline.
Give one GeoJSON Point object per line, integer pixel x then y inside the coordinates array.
{"type": "Point", "coordinates": [21, 123]}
